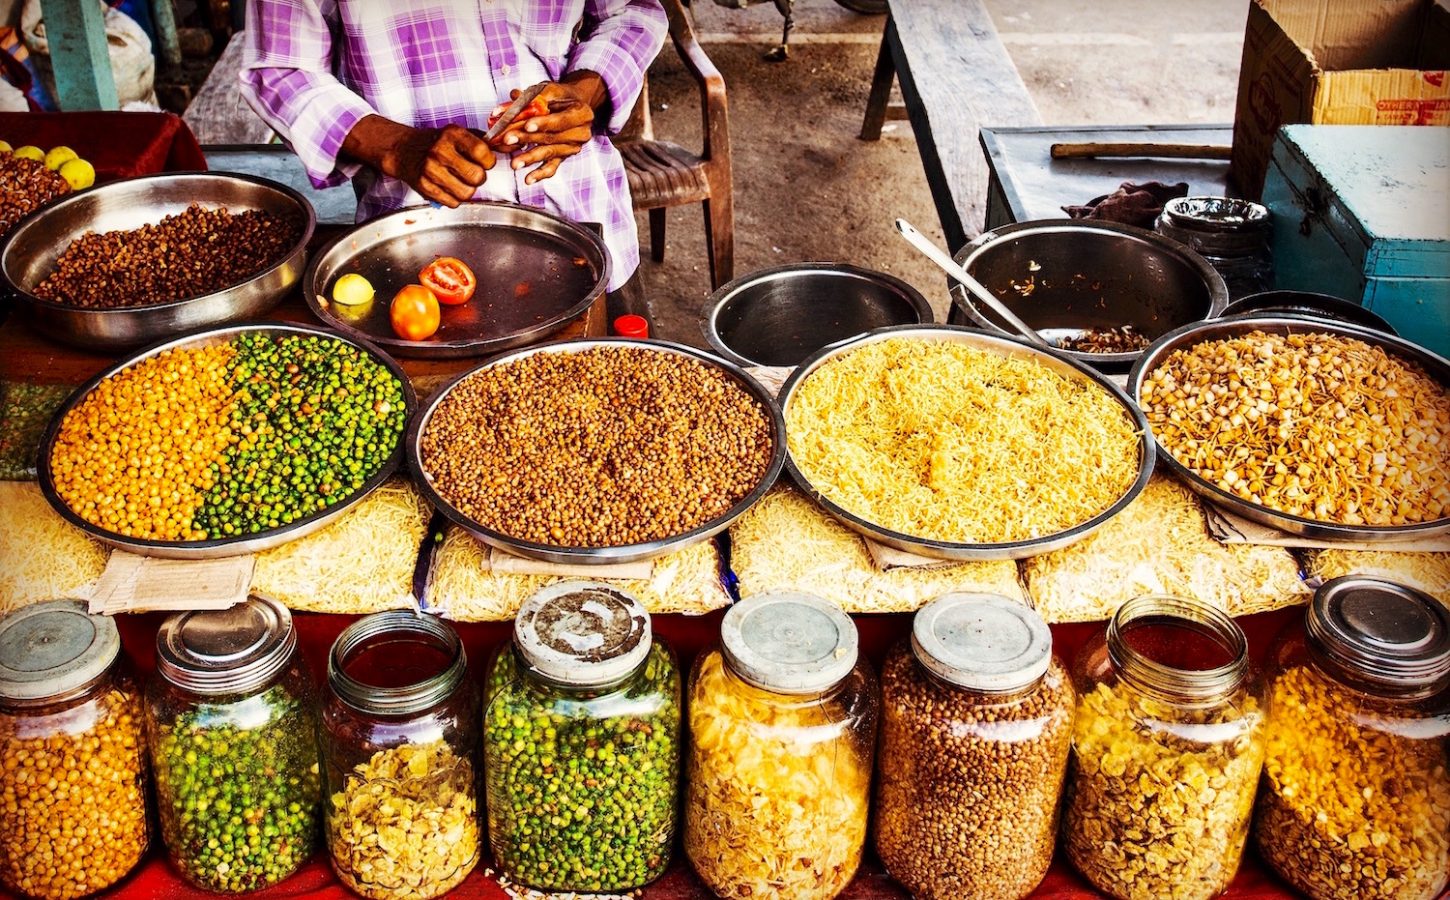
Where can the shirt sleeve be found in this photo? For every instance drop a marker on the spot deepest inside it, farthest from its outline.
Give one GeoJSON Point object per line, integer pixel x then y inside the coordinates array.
{"type": "Point", "coordinates": [619, 48]}
{"type": "Point", "coordinates": [287, 78]}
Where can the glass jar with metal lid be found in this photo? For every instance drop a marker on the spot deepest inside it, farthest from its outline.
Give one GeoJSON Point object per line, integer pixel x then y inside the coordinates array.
{"type": "Point", "coordinates": [232, 719]}
{"type": "Point", "coordinates": [976, 723]}
{"type": "Point", "coordinates": [400, 733]}
{"type": "Point", "coordinates": [582, 743]}
{"type": "Point", "coordinates": [1355, 801]}
{"type": "Point", "coordinates": [1168, 741]}
{"type": "Point", "coordinates": [782, 735]}
{"type": "Point", "coordinates": [72, 754]}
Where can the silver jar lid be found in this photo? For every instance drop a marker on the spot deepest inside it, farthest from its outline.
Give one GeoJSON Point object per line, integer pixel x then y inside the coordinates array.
{"type": "Point", "coordinates": [788, 642]}
{"type": "Point", "coordinates": [52, 649]}
{"type": "Point", "coordinates": [984, 642]}
{"type": "Point", "coordinates": [583, 633]}
{"type": "Point", "coordinates": [226, 651]}
{"type": "Point", "coordinates": [1384, 633]}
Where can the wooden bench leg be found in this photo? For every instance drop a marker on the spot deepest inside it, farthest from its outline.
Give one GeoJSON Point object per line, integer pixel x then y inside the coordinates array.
{"type": "Point", "coordinates": [720, 238]}
{"type": "Point", "coordinates": [657, 234]}
{"type": "Point", "coordinates": [880, 91]}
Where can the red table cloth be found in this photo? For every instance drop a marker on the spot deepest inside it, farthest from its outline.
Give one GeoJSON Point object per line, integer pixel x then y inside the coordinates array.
{"type": "Point", "coordinates": [118, 144]}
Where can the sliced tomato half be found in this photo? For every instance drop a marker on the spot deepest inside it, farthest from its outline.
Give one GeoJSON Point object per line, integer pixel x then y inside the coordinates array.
{"type": "Point", "coordinates": [450, 280]}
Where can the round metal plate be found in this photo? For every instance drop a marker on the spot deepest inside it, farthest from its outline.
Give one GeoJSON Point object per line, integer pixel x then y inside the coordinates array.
{"type": "Point", "coordinates": [1437, 366]}
{"type": "Point", "coordinates": [524, 259]}
{"type": "Point", "coordinates": [241, 544]}
{"type": "Point", "coordinates": [598, 555]}
{"type": "Point", "coordinates": [1006, 346]}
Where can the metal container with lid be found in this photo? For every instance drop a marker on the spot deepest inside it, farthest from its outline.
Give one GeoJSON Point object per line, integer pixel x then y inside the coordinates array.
{"type": "Point", "coordinates": [69, 709]}
{"type": "Point", "coordinates": [232, 716]}
{"type": "Point", "coordinates": [782, 738]}
{"type": "Point", "coordinates": [1356, 797]}
{"type": "Point", "coordinates": [977, 720]}
{"type": "Point", "coordinates": [583, 693]}
{"type": "Point", "coordinates": [1232, 235]}
{"type": "Point", "coordinates": [400, 731]}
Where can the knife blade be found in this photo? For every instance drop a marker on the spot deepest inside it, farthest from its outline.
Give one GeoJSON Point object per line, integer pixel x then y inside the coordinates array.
{"type": "Point", "coordinates": [525, 97]}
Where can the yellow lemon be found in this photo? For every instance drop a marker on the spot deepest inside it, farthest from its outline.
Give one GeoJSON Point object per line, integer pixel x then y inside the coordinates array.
{"type": "Point", "coordinates": [78, 173]}
{"type": "Point", "coordinates": [351, 290]}
{"type": "Point", "coordinates": [5, 147]}
{"type": "Point", "coordinates": [30, 151]}
{"type": "Point", "coordinates": [59, 156]}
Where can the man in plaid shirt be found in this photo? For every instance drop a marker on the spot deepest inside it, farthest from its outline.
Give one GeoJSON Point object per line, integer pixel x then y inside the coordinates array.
{"type": "Point", "coordinates": [386, 91]}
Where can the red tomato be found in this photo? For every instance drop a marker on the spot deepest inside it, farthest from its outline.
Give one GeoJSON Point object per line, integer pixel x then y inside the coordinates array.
{"type": "Point", "coordinates": [450, 280]}
{"type": "Point", "coordinates": [414, 313]}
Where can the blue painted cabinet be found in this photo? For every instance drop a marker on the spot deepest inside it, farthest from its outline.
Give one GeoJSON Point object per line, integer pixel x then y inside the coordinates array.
{"type": "Point", "coordinates": [1363, 212]}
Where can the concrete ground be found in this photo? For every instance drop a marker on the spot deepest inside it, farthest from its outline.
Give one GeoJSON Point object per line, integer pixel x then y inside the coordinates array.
{"type": "Point", "coordinates": [806, 189]}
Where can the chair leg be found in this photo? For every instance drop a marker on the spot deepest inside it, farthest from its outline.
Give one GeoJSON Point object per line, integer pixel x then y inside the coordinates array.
{"type": "Point", "coordinates": [657, 234]}
{"type": "Point", "coordinates": [720, 237]}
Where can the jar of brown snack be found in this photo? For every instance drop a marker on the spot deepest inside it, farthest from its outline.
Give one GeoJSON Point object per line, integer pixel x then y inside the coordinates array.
{"type": "Point", "coordinates": [1167, 747]}
{"type": "Point", "coordinates": [977, 721]}
{"type": "Point", "coordinates": [1355, 801]}
{"type": "Point", "coordinates": [72, 754]}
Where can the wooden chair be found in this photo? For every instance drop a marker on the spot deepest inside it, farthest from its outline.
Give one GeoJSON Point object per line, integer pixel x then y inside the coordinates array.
{"type": "Point", "coordinates": [663, 174]}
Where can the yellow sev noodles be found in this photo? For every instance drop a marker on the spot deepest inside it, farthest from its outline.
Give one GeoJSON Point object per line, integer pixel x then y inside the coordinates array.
{"type": "Point", "coordinates": [952, 443]}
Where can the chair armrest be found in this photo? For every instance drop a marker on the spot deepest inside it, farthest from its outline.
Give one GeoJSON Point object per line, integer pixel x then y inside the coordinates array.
{"type": "Point", "coordinates": [713, 106]}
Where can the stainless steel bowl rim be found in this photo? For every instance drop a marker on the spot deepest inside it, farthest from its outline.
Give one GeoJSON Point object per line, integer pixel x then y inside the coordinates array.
{"type": "Point", "coordinates": [1217, 289]}
{"type": "Point", "coordinates": [726, 292]}
{"type": "Point", "coordinates": [623, 553]}
{"type": "Point", "coordinates": [1437, 366]}
{"type": "Point", "coordinates": [952, 550]}
{"type": "Point", "coordinates": [455, 349]}
{"type": "Point", "coordinates": [309, 226]}
{"type": "Point", "coordinates": [240, 544]}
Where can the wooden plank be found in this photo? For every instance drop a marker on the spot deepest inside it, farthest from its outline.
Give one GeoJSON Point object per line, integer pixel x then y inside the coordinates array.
{"type": "Point", "coordinates": [218, 114]}
{"type": "Point", "coordinates": [76, 32]}
{"type": "Point", "coordinates": [956, 77]}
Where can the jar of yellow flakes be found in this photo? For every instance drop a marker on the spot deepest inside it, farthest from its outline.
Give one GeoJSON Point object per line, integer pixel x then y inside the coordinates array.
{"type": "Point", "coordinates": [400, 741]}
{"type": "Point", "coordinates": [782, 724]}
{"type": "Point", "coordinates": [1355, 800]}
{"type": "Point", "coordinates": [1167, 747]}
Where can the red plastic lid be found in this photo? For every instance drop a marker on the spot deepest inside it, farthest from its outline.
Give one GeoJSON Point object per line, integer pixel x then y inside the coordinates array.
{"type": "Point", "coordinates": [631, 326]}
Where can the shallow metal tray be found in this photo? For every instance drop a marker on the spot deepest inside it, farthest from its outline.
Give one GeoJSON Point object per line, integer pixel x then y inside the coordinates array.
{"type": "Point", "coordinates": [1006, 346]}
{"type": "Point", "coordinates": [241, 544]}
{"type": "Point", "coordinates": [598, 555]}
{"type": "Point", "coordinates": [1437, 366]}
{"type": "Point", "coordinates": [30, 252]}
{"type": "Point", "coordinates": [528, 284]}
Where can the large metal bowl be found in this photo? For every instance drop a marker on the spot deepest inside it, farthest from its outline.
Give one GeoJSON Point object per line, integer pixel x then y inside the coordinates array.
{"type": "Point", "coordinates": [30, 252]}
{"type": "Point", "coordinates": [1006, 346]}
{"type": "Point", "coordinates": [1191, 335]}
{"type": "Point", "coordinates": [241, 544]}
{"type": "Point", "coordinates": [597, 555]}
{"type": "Point", "coordinates": [780, 316]}
{"type": "Point", "coordinates": [1088, 275]}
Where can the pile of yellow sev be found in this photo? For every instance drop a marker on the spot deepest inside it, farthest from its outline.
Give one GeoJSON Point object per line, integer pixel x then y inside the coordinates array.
{"type": "Point", "coordinates": [948, 442]}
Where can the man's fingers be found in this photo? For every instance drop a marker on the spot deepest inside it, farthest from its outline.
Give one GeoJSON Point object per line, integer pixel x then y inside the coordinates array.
{"type": "Point", "coordinates": [433, 192]}
{"type": "Point", "coordinates": [580, 135]}
{"type": "Point", "coordinates": [543, 152]}
{"type": "Point", "coordinates": [473, 148]}
{"type": "Point", "coordinates": [438, 173]}
{"type": "Point", "coordinates": [572, 117]}
{"type": "Point", "coordinates": [547, 170]}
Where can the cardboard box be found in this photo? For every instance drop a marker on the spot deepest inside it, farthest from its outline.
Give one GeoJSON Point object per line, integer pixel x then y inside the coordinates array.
{"type": "Point", "coordinates": [1337, 62]}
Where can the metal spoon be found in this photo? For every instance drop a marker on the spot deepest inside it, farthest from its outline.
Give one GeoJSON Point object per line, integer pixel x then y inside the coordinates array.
{"type": "Point", "coordinates": [977, 289]}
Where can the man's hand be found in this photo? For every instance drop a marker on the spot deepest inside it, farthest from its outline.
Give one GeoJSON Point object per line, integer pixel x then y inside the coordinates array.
{"type": "Point", "coordinates": [445, 165]}
{"type": "Point", "coordinates": [548, 140]}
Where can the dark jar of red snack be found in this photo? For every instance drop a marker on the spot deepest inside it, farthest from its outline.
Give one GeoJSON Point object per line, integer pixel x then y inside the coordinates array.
{"type": "Point", "coordinates": [400, 752]}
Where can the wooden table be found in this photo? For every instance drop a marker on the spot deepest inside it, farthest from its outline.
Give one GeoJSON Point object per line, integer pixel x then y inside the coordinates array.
{"type": "Point", "coordinates": [956, 77]}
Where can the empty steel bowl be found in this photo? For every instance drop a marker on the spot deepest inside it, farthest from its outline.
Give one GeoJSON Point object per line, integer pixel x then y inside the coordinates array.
{"type": "Point", "coordinates": [1294, 304]}
{"type": "Point", "coordinates": [30, 252]}
{"type": "Point", "coordinates": [780, 316]}
{"type": "Point", "coordinates": [1068, 277]}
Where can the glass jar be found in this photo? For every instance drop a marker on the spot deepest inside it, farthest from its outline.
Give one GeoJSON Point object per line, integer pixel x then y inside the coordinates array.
{"type": "Point", "coordinates": [1167, 746]}
{"type": "Point", "coordinates": [233, 733]}
{"type": "Point", "coordinates": [582, 743]}
{"type": "Point", "coordinates": [976, 724]}
{"type": "Point", "coordinates": [1355, 800]}
{"type": "Point", "coordinates": [400, 747]}
{"type": "Point", "coordinates": [782, 733]}
{"type": "Point", "coordinates": [72, 754]}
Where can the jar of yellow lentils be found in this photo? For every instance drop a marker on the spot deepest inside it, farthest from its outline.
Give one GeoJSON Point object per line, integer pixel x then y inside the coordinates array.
{"type": "Point", "coordinates": [976, 725]}
{"type": "Point", "coordinates": [1167, 747]}
{"type": "Point", "coordinates": [782, 721]}
{"type": "Point", "coordinates": [1355, 800]}
{"type": "Point", "coordinates": [72, 754]}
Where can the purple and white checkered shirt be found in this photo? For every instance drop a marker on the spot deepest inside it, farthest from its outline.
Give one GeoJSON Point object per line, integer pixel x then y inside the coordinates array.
{"type": "Point", "coordinates": [313, 68]}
